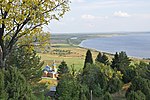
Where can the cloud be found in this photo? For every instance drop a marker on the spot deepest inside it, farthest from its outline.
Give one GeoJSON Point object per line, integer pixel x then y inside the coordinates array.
{"type": "Point", "coordinates": [90, 25]}
{"type": "Point", "coordinates": [87, 17]}
{"type": "Point", "coordinates": [92, 17]}
{"type": "Point", "coordinates": [78, 1]}
{"type": "Point", "coordinates": [121, 14]}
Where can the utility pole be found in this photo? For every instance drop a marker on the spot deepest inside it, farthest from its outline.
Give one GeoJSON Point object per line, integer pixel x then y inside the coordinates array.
{"type": "Point", "coordinates": [91, 95]}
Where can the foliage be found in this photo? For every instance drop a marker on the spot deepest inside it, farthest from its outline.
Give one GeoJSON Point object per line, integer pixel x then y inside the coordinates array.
{"type": "Point", "coordinates": [132, 96]}
{"type": "Point", "coordinates": [107, 96]}
{"type": "Point", "coordinates": [24, 18]}
{"type": "Point", "coordinates": [98, 58]}
{"type": "Point", "coordinates": [143, 70]}
{"type": "Point", "coordinates": [68, 88]}
{"type": "Point", "coordinates": [102, 59]}
{"type": "Point", "coordinates": [3, 93]}
{"type": "Point", "coordinates": [115, 61]}
{"type": "Point", "coordinates": [100, 79]}
{"type": "Point", "coordinates": [88, 58]}
{"type": "Point", "coordinates": [27, 62]}
{"type": "Point", "coordinates": [129, 73]}
{"type": "Point", "coordinates": [15, 86]}
{"type": "Point", "coordinates": [120, 61]}
{"type": "Point", "coordinates": [136, 96]}
{"type": "Point", "coordinates": [142, 84]}
{"type": "Point", "coordinates": [115, 84]}
{"type": "Point", "coordinates": [98, 91]}
{"type": "Point", "coordinates": [141, 95]}
{"type": "Point", "coordinates": [63, 68]}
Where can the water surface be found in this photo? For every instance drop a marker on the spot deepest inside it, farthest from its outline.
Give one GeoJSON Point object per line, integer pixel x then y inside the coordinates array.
{"type": "Point", "coordinates": [135, 45]}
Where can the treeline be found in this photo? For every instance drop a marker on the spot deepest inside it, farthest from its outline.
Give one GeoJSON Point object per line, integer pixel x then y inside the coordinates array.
{"type": "Point", "coordinates": [103, 78]}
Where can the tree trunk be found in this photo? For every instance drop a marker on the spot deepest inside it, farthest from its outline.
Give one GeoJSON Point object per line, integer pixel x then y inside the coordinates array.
{"type": "Point", "coordinates": [2, 46]}
{"type": "Point", "coordinates": [1, 57]}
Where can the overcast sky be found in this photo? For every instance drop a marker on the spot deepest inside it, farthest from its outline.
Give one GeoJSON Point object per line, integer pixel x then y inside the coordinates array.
{"type": "Point", "coordinates": [88, 16]}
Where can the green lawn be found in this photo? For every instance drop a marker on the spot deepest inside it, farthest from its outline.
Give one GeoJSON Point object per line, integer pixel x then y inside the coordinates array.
{"type": "Point", "coordinates": [76, 61]}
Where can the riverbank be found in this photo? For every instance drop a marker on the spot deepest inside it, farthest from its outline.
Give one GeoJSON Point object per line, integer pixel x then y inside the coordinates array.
{"type": "Point", "coordinates": [66, 47]}
{"type": "Point", "coordinates": [73, 55]}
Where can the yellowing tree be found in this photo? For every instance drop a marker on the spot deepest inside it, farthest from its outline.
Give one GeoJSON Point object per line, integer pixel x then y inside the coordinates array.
{"type": "Point", "coordinates": [21, 18]}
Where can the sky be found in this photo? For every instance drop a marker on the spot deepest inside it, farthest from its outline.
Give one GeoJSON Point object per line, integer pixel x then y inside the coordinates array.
{"type": "Point", "coordinates": [93, 16]}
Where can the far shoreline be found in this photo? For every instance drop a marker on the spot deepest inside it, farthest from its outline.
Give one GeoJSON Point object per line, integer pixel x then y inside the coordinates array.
{"type": "Point", "coordinates": [76, 39]}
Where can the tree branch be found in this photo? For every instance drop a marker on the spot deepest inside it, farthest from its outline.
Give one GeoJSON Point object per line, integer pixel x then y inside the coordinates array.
{"type": "Point", "coordinates": [54, 7]}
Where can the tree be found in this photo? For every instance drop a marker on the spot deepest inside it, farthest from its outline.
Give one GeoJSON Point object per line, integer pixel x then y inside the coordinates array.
{"type": "Point", "coordinates": [107, 96]}
{"type": "Point", "coordinates": [98, 58]}
{"type": "Point", "coordinates": [142, 84]}
{"type": "Point", "coordinates": [120, 61]}
{"type": "Point", "coordinates": [115, 61]}
{"type": "Point", "coordinates": [132, 96]}
{"type": "Point", "coordinates": [3, 93]}
{"type": "Point", "coordinates": [20, 18]}
{"type": "Point", "coordinates": [27, 62]}
{"type": "Point", "coordinates": [88, 58]}
{"type": "Point", "coordinates": [68, 88]}
{"type": "Point", "coordinates": [124, 60]}
{"type": "Point", "coordinates": [62, 68]}
{"type": "Point", "coordinates": [129, 73]}
{"type": "Point", "coordinates": [15, 86]}
{"type": "Point", "coordinates": [114, 84]}
{"type": "Point", "coordinates": [103, 59]}
{"type": "Point", "coordinates": [136, 96]}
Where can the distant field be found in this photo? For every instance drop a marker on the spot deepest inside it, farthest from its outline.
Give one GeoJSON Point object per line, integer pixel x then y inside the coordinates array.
{"type": "Point", "coordinates": [73, 56]}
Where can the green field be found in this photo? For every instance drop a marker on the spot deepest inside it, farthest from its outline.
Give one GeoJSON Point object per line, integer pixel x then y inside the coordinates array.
{"type": "Point", "coordinates": [73, 56]}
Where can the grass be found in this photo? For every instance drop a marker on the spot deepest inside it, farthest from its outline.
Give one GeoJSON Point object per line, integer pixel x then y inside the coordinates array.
{"type": "Point", "coordinates": [75, 57]}
{"type": "Point", "coordinates": [49, 82]}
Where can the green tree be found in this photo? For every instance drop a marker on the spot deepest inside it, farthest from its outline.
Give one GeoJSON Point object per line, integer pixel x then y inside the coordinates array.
{"type": "Point", "coordinates": [107, 96]}
{"type": "Point", "coordinates": [138, 95]}
{"type": "Point", "coordinates": [129, 73]}
{"type": "Point", "coordinates": [62, 69]}
{"type": "Point", "coordinates": [27, 62]}
{"type": "Point", "coordinates": [124, 60]}
{"type": "Point", "coordinates": [15, 86]}
{"type": "Point", "coordinates": [20, 18]}
{"type": "Point", "coordinates": [98, 58]}
{"type": "Point", "coordinates": [88, 58]}
{"type": "Point", "coordinates": [115, 61]}
{"type": "Point", "coordinates": [141, 95]}
{"type": "Point", "coordinates": [142, 84]}
{"type": "Point", "coordinates": [104, 59]}
{"type": "Point", "coordinates": [68, 88]}
{"type": "Point", "coordinates": [3, 93]}
{"type": "Point", "coordinates": [133, 96]}
{"type": "Point", "coordinates": [120, 61]}
{"type": "Point", "coordinates": [114, 84]}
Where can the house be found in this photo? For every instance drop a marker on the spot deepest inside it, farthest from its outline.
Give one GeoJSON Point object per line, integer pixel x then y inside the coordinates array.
{"type": "Point", "coordinates": [50, 71]}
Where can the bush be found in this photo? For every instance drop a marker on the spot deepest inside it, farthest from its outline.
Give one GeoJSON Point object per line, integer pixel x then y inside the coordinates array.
{"type": "Point", "coordinates": [136, 96]}
{"type": "Point", "coordinates": [107, 96]}
{"type": "Point", "coordinates": [14, 85]}
{"type": "Point", "coordinates": [142, 84]}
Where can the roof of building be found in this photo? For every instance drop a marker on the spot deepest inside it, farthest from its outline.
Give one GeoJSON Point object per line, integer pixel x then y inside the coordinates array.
{"type": "Point", "coordinates": [47, 68]}
{"type": "Point", "coordinates": [53, 88]}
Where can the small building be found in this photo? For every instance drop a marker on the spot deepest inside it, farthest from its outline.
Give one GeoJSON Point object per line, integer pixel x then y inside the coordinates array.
{"type": "Point", "coordinates": [50, 72]}
{"type": "Point", "coordinates": [51, 93]}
